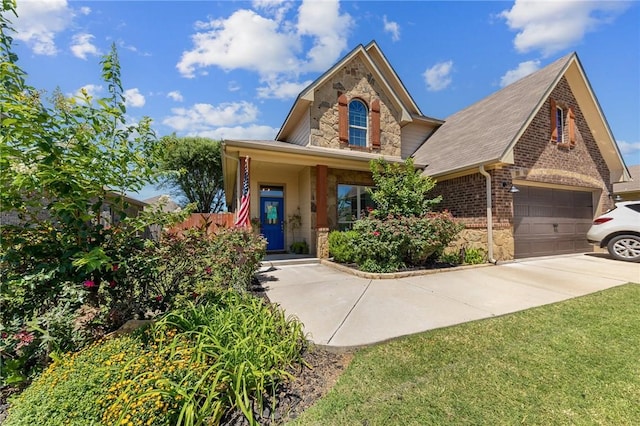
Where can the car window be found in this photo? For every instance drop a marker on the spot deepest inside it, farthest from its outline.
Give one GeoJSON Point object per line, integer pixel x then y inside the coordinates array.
{"type": "Point", "coordinates": [634, 207]}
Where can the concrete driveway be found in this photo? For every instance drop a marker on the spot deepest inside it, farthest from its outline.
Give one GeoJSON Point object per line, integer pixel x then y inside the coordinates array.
{"type": "Point", "coordinates": [342, 310]}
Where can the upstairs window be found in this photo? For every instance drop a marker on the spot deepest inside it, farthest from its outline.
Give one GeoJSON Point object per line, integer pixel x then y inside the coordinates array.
{"type": "Point", "coordinates": [560, 124]}
{"type": "Point", "coordinates": [563, 125]}
{"type": "Point", "coordinates": [358, 123]}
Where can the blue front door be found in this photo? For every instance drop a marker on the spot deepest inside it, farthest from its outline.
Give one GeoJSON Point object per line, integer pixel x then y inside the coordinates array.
{"type": "Point", "coordinates": [272, 222]}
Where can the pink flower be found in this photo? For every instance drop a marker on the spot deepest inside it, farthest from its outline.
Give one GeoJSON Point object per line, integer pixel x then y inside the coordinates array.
{"type": "Point", "coordinates": [376, 233]}
{"type": "Point", "coordinates": [112, 284]}
{"type": "Point", "coordinates": [89, 284]}
{"type": "Point", "coordinates": [115, 267]}
{"type": "Point", "coordinates": [24, 339]}
{"type": "Point", "coordinates": [207, 269]}
{"type": "Point", "coordinates": [158, 298]}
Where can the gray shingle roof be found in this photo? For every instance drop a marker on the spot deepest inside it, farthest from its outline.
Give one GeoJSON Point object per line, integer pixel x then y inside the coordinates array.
{"type": "Point", "coordinates": [484, 131]}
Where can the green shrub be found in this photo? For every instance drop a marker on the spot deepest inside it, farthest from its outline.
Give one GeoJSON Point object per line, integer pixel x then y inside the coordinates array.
{"type": "Point", "coordinates": [57, 158]}
{"type": "Point", "coordinates": [299, 247]}
{"type": "Point", "coordinates": [42, 312]}
{"type": "Point", "coordinates": [474, 256]}
{"type": "Point", "coordinates": [342, 246]}
{"type": "Point", "coordinates": [452, 258]}
{"type": "Point", "coordinates": [192, 366]}
{"type": "Point", "coordinates": [192, 266]}
{"type": "Point", "coordinates": [387, 245]}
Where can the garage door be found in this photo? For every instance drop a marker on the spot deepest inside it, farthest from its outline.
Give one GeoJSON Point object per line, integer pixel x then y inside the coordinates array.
{"type": "Point", "coordinates": [551, 221]}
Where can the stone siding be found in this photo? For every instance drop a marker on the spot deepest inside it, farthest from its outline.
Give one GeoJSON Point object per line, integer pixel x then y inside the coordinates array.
{"type": "Point", "coordinates": [355, 80]}
{"type": "Point", "coordinates": [503, 248]}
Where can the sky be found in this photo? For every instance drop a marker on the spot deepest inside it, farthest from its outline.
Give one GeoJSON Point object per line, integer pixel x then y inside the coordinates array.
{"type": "Point", "coordinates": [232, 69]}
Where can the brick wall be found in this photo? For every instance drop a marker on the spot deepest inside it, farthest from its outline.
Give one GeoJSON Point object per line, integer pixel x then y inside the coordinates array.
{"type": "Point", "coordinates": [537, 160]}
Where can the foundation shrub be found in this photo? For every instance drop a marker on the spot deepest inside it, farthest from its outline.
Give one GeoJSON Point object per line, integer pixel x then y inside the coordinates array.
{"type": "Point", "coordinates": [402, 231]}
{"type": "Point", "coordinates": [193, 366]}
{"type": "Point", "coordinates": [393, 243]}
{"type": "Point", "coordinates": [343, 246]}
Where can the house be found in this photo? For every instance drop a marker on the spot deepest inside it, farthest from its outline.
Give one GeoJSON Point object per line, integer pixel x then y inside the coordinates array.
{"type": "Point", "coordinates": [110, 211]}
{"type": "Point", "coordinates": [545, 136]}
{"type": "Point", "coordinates": [629, 191]}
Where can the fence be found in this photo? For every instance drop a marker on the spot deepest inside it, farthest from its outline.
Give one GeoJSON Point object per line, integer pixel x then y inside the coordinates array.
{"type": "Point", "coordinates": [198, 220]}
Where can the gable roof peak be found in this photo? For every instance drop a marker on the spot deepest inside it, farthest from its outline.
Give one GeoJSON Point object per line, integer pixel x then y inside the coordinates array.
{"type": "Point", "coordinates": [473, 136]}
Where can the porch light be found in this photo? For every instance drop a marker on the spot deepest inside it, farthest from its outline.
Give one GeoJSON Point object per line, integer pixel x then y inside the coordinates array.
{"type": "Point", "coordinates": [513, 188]}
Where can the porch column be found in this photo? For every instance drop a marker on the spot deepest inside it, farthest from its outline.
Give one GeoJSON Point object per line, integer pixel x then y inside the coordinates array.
{"type": "Point", "coordinates": [322, 224]}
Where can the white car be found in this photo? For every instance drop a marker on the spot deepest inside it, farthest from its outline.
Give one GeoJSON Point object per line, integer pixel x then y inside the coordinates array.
{"type": "Point", "coordinates": [619, 231]}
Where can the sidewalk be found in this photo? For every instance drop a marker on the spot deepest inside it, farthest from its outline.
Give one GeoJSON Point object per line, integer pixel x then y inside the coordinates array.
{"type": "Point", "coordinates": [342, 310]}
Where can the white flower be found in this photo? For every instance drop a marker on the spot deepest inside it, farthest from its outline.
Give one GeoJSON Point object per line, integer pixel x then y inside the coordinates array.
{"type": "Point", "coordinates": [21, 168]}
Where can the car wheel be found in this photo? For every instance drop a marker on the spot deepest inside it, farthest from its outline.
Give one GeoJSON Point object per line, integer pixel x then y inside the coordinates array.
{"type": "Point", "coordinates": [625, 247]}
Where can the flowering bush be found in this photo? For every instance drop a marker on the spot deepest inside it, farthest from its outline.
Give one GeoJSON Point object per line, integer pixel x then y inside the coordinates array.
{"type": "Point", "coordinates": [402, 231]}
{"type": "Point", "coordinates": [401, 242]}
{"type": "Point", "coordinates": [188, 268]}
{"type": "Point", "coordinates": [193, 366]}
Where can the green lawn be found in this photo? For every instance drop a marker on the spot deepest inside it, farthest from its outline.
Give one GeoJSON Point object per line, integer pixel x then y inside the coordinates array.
{"type": "Point", "coordinates": [576, 362]}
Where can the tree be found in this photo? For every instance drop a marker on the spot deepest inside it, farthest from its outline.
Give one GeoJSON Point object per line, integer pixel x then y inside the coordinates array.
{"type": "Point", "coordinates": [61, 160]}
{"type": "Point", "coordinates": [400, 189]}
{"type": "Point", "coordinates": [195, 166]}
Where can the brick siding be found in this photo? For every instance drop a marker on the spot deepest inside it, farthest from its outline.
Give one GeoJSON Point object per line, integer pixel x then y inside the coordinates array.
{"type": "Point", "coordinates": [537, 160]}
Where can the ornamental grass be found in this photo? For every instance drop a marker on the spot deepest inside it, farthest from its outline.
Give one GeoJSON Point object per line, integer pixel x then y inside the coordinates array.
{"type": "Point", "coordinates": [191, 367]}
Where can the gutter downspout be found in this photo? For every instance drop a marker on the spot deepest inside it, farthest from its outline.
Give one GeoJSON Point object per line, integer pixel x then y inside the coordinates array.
{"type": "Point", "coordinates": [487, 176]}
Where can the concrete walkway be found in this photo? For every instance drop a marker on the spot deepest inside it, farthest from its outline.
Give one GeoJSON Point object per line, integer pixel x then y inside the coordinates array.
{"type": "Point", "coordinates": [341, 310]}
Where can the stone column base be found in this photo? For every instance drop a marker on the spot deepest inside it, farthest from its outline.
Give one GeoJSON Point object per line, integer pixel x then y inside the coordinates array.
{"type": "Point", "coordinates": [322, 243]}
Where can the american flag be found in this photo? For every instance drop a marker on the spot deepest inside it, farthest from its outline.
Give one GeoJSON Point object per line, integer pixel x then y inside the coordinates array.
{"type": "Point", "coordinates": [242, 219]}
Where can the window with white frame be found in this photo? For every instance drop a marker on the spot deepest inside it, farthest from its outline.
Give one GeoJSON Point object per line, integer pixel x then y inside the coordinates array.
{"type": "Point", "coordinates": [354, 202]}
{"type": "Point", "coordinates": [358, 115]}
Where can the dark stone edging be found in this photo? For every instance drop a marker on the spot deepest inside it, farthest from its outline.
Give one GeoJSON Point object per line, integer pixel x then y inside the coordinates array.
{"type": "Point", "coordinates": [395, 275]}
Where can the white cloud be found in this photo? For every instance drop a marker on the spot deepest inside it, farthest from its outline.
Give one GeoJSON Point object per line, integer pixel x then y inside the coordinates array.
{"type": "Point", "coordinates": [523, 70]}
{"type": "Point", "coordinates": [204, 117]}
{"type": "Point", "coordinates": [391, 27]}
{"type": "Point", "coordinates": [629, 147]}
{"type": "Point", "coordinates": [133, 98]}
{"type": "Point", "coordinates": [176, 96]}
{"type": "Point", "coordinates": [551, 26]}
{"type": "Point", "coordinates": [81, 46]}
{"type": "Point", "coordinates": [252, 132]}
{"type": "Point", "coordinates": [269, 46]}
{"type": "Point", "coordinates": [85, 10]}
{"type": "Point", "coordinates": [38, 23]}
{"type": "Point", "coordinates": [438, 77]}
{"type": "Point", "coordinates": [322, 21]}
{"type": "Point", "coordinates": [233, 86]}
{"type": "Point", "coordinates": [275, 8]}
{"type": "Point", "coordinates": [245, 40]}
{"type": "Point", "coordinates": [282, 89]}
